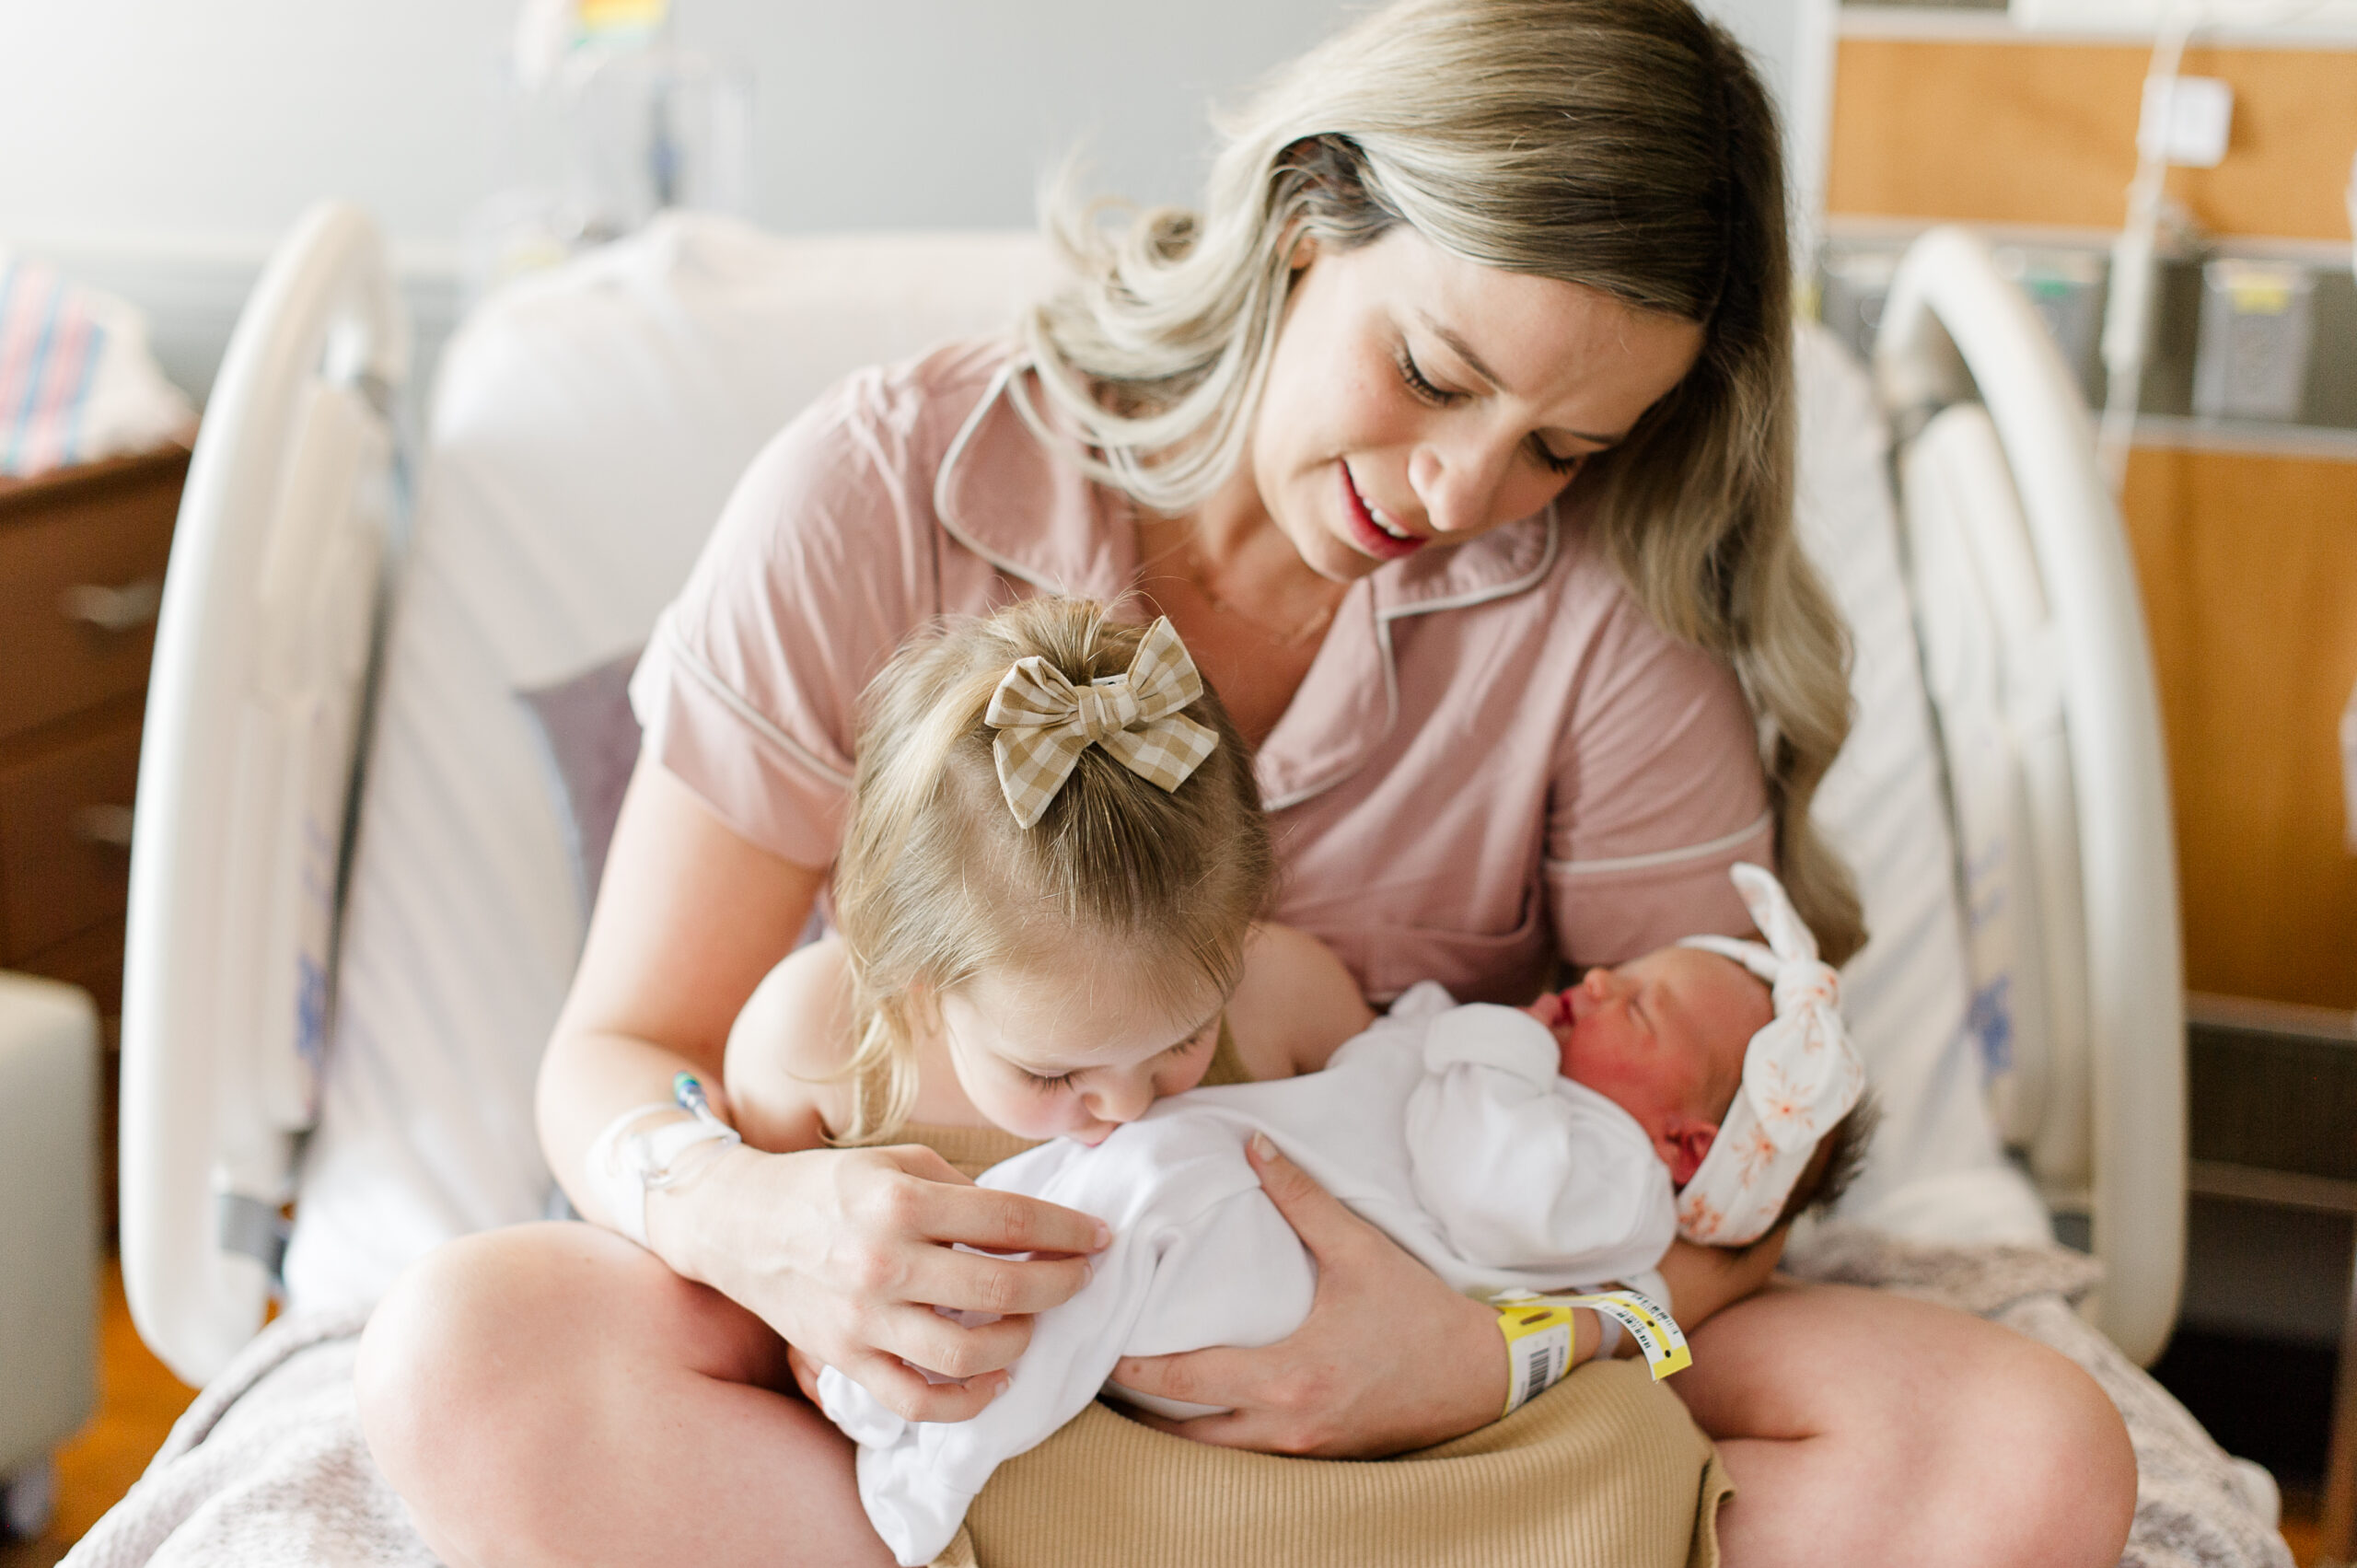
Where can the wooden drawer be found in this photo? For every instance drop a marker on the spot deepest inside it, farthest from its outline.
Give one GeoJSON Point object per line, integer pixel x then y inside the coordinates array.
{"type": "Point", "coordinates": [91, 959]}
{"type": "Point", "coordinates": [66, 837]}
{"type": "Point", "coordinates": [82, 555]}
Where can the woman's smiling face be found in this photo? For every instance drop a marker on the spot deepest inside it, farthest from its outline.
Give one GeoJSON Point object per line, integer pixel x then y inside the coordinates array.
{"type": "Point", "coordinates": [1416, 398]}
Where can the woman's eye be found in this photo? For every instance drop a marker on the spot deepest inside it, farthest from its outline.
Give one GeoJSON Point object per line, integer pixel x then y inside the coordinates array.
{"type": "Point", "coordinates": [1418, 384]}
{"type": "Point", "coordinates": [1564, 466]}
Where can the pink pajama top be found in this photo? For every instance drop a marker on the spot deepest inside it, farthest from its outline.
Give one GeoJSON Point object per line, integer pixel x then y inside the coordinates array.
{"type": "Point", "coordinates": [1494, 759]}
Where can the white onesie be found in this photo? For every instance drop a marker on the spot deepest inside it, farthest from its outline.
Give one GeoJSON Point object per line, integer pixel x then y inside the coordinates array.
{"type": "Point", "coordinates": [1451, 1128]}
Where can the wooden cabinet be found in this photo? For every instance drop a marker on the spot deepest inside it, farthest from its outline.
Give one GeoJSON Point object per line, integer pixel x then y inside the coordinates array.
{"type": "Point", "coordinates": [2245, 545]}
{"type": "Point", "coordinates": [81, 556]}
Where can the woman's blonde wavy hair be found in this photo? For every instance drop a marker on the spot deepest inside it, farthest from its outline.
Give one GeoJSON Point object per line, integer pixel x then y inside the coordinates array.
{"type": "Point", "coordinates": [1622, 145]}
{"type": "Point", "coordinates": [937, 884]}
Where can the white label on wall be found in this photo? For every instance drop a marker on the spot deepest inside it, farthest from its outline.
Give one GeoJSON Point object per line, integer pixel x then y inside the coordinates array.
{"type": "Point", "coordinates": [2185, 120]}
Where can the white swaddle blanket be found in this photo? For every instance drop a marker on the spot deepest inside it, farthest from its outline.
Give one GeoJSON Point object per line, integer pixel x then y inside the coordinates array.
{"type": "Point", "coordinates": [1450, 1127]}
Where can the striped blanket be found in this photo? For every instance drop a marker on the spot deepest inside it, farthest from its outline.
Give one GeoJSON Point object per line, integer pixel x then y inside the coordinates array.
{"type": "Point", "coordinates": [76, 382]}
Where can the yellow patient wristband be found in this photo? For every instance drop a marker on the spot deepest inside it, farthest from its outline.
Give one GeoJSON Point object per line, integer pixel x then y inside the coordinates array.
{"type": "Point", "coordinates": [1538, 1335]}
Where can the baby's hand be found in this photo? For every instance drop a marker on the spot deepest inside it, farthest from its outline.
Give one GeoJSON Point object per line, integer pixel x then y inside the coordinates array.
{"type": "Point", "coordinates": [1551, 1010]}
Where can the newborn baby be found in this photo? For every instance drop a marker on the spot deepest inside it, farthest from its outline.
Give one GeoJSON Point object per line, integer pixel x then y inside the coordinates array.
{"type": "Point", "coordinates": [1563, 1144]}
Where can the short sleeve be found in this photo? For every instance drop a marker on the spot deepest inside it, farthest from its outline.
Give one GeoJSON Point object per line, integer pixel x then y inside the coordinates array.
{"type": "Point", "coordinates": [1656, 791]}
{"type": "Point", "coordinates": [820, 564]}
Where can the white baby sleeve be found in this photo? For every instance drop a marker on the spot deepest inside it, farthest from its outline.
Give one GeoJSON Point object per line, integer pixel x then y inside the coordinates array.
{"type": "Point", "coordinates": [1534, 1181]}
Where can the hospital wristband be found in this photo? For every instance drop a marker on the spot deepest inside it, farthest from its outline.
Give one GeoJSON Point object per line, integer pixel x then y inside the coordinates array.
{"type": "Point", "coordinates": [1538, 1329]}
{"type": "Point", "coordinates": [1539, 1340]}
{"type": "Point", "coordinates": [628, 1159]}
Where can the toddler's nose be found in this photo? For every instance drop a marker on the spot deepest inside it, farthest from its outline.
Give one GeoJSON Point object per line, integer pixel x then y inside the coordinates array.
{"type": "Point", "coordinates": [1124, 1102]}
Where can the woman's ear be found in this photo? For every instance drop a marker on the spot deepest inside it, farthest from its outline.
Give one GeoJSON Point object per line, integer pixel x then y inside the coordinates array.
{"type": "Point", "coordinates": [1682, 1145]}
{"type": "Point", "coordinates": [1305, 250]}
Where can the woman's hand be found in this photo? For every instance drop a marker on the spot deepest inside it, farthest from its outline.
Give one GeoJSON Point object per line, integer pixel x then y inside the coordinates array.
{"type": "Point", "coordinates": [845, 1253]}
{"type": "Point", "coordinates": [1389, 1358]}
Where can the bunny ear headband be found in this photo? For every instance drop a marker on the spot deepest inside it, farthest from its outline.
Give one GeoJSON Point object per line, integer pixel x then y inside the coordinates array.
{"type": "Point", "coordinates": [1044, 722]}
{"type": "Point", "coordinates": [1801, 1075]}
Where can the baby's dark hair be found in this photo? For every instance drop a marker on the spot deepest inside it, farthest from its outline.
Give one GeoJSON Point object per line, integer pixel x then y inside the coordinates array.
{"type": "Point", "coordinates": [1840, 1155]}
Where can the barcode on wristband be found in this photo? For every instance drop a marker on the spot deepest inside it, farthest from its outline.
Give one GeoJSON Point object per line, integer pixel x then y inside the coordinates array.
{"type": "Point", "coordinates": [1649, 1324]}
{"type": "Point", "coordinates": [1539, 1351]}
{"type": "Point", "coordinates": [1546, 1364]}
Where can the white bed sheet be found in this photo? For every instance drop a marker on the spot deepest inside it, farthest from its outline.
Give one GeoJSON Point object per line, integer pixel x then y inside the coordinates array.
{"type": "Point", "coordinates": [586, 429]}
{"type": "Point", "coordinates": [1936, 1172]}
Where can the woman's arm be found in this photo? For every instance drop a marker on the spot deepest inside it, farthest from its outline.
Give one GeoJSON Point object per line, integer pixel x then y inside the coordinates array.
{"type": "Point", "coordinates": [1704, 1281]}
{"type": "Point", "coordinates": [1389, 1358]}
{"type": "Point", "coordinates": [688, 919]}
{"type": "Point", "coordinates": [842, 1251]}
{"type": "Point", "coordinates": [1295, 1005]}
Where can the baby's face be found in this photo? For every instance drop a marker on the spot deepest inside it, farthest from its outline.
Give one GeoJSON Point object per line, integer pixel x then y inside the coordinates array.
{"type": "Point", "coordinates": [1662, 1037]}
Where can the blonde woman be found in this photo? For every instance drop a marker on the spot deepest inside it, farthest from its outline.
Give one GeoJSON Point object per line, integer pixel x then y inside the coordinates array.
{"type": "Point", "coordinates": [1453, 436]}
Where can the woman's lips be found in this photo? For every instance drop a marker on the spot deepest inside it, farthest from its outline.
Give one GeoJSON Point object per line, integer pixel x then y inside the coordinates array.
{"type": "Point", "coordinates": [1366, 533]}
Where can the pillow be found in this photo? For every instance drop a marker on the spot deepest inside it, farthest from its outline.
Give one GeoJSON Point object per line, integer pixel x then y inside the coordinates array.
{"type": "Point", "coordinates": [590, 738]}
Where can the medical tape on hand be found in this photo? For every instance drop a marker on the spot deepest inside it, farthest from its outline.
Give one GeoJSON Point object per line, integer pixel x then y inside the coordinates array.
{"type": "Point", "coordinates": [1539, 1336]}
{"type": "Point", "coordinates": [624, 1163]}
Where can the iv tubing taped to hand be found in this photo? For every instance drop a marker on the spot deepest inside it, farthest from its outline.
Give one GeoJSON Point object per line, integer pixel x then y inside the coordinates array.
{"type": "Point", "coordinates": [625, 1164]}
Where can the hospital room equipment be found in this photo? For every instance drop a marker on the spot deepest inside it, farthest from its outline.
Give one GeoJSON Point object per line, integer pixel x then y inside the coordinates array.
{"type": "Point", "coordinates": [49, 1233]}
{"type": "Point", "coordinates": [354, 911]}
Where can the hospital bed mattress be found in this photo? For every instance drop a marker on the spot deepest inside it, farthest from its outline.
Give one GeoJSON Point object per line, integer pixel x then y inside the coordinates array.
{"type": "Point", "coordinates": [585, 431]}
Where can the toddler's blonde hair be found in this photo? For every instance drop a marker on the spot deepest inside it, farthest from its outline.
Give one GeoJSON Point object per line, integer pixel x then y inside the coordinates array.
{"type": "Point", "coordinates": [936, 883]}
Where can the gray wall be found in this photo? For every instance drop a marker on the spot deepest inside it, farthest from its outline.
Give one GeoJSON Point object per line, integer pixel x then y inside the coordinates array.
{"type": "Point", "coordinates": [158, 147]}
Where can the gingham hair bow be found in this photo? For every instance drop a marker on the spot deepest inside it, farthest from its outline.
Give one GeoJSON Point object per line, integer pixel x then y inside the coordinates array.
{"type": "Point", "coordinates": [1801, 1075]}
{"type": "Point", "coordinates": [1044, 722]}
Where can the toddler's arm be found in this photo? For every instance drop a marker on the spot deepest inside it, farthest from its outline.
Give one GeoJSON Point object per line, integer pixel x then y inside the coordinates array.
{"type": "Point", "coordinates": [793, 1035]}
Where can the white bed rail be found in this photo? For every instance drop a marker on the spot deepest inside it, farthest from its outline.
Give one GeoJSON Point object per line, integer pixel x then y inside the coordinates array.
{"type": "Point", "coordinates": [261, 674]}
{"type": "Point", "coordinates": [1950, 310]}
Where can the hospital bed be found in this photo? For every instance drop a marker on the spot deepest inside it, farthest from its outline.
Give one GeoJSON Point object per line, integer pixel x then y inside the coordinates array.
{"type": "Point", "coordinates": [354, 901]}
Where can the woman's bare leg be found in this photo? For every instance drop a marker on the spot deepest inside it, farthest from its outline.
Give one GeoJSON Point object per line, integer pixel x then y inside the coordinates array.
{"type": "Point", "coordinates": [1870, 1429]}
{"type": "Point", "coordinates": [550, 1394]}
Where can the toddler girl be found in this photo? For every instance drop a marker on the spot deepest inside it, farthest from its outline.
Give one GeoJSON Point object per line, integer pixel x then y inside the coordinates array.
{"type": "Point", "coordinates": [1512, 1150]}
{"type": "Point", "coordinates": [1046, 905]}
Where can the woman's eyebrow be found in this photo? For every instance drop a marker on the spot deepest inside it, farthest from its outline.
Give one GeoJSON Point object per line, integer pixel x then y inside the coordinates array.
{"type": "Point", "coordinates": [1480, 368]}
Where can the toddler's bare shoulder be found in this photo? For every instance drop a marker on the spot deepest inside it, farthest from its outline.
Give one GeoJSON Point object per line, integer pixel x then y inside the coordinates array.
{"type": "Point", "coordinates": [788, 1043]}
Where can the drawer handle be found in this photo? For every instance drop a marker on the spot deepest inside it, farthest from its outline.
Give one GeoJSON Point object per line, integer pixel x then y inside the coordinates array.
{"type": "Point", "coordinates": [107, 825]}
{"type": "Point", "coordinates": [125, 609]}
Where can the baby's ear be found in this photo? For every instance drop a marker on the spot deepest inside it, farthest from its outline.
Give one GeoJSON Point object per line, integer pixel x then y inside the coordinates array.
{"type": "Point", "coordinates": [1683, 1144]}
